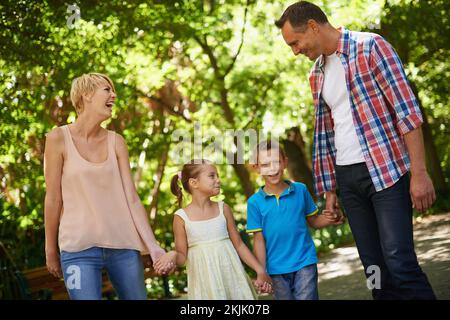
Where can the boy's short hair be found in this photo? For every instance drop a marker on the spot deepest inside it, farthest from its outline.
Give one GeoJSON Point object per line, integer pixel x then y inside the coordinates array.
{"type": "Point", "coordinates": [267, 145]}
{"type": "Point", "coordinates": [86, 84]}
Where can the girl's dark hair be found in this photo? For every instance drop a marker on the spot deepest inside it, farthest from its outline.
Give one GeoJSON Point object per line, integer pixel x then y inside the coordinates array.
{"type": "Point", "coordinates": [298, 15]}
{"type": "Point", "coordinates": [190, 170]}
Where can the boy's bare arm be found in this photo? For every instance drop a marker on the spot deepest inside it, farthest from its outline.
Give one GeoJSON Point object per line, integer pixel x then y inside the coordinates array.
{"type": "Point", "coordinates": [328, 218]}
{"type": "Point", "coordinates": [259, 248]}
{"type": "Point", "coordinates": [317, 221]}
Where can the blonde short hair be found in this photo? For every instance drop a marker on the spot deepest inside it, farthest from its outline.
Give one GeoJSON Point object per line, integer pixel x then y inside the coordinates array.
{"type": "Point", "coordinates": [87, 84]}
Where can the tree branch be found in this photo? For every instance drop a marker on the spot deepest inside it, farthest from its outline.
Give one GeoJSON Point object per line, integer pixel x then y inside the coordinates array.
{"type": "Point", "coordinates": [207, 49]}
{"type": "Point", "coordinates": [230, 67]}
{"type": "Point", "coordinates": [156, 188]}
{"type": "Point", "coordinates": [165, 105]}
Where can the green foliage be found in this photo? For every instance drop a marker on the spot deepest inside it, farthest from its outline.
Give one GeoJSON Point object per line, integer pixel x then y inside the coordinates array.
{"type": "Point", "coordinates": [420, 32]}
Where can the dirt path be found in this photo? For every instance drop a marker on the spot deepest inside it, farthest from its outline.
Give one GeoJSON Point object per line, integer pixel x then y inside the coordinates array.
{"type": "Point", "coordinates": [341, 274]}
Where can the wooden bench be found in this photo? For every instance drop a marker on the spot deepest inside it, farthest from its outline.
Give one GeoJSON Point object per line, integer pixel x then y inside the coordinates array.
{"type": "Point", "coordinates": [38, 283]}
{"type": "Point", "coordinates": [43, 285]}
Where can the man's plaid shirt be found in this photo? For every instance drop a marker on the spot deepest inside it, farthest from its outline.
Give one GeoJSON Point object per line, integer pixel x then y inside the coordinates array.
{"type": "Point", "coordinates": [383, 108]}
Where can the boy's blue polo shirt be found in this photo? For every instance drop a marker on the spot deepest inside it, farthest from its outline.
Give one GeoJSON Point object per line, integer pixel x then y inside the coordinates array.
{"type": "Point", "coordinates": [289, 246]}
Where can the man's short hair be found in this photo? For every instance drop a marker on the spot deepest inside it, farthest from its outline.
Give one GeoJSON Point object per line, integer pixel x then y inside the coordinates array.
{"type": "Point", "coordinates": [298, 15]}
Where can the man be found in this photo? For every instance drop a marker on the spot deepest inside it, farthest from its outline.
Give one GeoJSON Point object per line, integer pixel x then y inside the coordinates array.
{"type": "Point", "coordinates": [367, 137]}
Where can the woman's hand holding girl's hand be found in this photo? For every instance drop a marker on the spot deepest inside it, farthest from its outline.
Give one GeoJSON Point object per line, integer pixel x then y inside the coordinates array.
{"type": "Point", "coordinates": [166, 264]}
{"type": "Point", "coordinates": [156, 252]}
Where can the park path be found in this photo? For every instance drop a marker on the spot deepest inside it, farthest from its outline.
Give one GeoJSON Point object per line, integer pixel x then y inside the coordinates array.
{"type": "Point", "coordinates": [341, 275]}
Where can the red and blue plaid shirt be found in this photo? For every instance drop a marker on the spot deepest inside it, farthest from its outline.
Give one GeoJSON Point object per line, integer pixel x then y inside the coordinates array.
{"type": "Point", "coordinates": [383, 108]}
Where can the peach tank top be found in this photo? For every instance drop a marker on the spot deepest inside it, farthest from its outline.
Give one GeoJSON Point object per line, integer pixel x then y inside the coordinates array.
{"type": "Point", "coordinates": [95, 208]}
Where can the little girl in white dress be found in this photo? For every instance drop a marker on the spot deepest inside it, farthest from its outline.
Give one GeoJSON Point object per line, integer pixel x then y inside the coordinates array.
{"type": "Point", "coordinates": [206, 239]}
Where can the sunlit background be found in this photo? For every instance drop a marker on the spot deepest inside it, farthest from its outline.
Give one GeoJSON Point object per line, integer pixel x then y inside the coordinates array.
{"type": "Point", "coordinates": [222, 64]}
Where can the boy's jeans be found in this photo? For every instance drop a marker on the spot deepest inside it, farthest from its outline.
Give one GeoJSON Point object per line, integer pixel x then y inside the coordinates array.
{"type": "Point", "coordinates": [299, 285]}
{"type": "Point", "coordinates": [83, 273]}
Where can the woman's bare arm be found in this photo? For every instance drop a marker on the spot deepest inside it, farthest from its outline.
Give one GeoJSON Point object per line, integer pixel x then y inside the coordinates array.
{"type": "Point", "coordinates": [53, 164]}
{"type": "Point", "coordinates": [137, 209]}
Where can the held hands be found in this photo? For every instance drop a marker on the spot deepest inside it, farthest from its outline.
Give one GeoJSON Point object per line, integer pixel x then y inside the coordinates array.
{"type": "Point", "coordinates": [156, 252]}
{"type": "Point", "coordinates": [332, 211]}
{"type": "Point", "coordinates": [166, 264]}
{"type": "Point", "coordinates": [335, 217]}
{"type": "Point", "coordinates": [263, 283]}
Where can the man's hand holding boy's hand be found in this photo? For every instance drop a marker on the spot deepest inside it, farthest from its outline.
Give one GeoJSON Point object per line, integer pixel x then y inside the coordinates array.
{"type": "Point", "coordinates": [335, 217]}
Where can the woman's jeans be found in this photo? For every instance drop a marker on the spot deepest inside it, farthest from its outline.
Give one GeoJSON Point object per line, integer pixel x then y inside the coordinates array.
{"type": "Point", "coordinates": [83, 273]}
{"type": "Point", "coordinates": [381, 223]}
{"type": "Point", "coordinates": [299, 285]}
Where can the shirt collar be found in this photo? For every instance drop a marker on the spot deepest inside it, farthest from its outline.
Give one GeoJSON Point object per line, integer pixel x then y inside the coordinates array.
{"type": "Point", "coordinates": [289, 189]}
{"type": "Point", "coordinates": [343, 45]}
{"type": "Point", "coordinates": [344, 41]}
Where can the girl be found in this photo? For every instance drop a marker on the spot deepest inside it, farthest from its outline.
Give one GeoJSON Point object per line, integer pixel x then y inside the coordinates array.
{"type": "Point", "coordinates": [206, 239]}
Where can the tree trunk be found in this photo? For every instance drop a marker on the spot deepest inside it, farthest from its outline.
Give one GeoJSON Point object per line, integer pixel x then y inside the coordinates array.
{"type": "Point", "coordinates": [156, 188]}
{"type": "Point", "coordinates": [244, 177]}
{"type": "Point", "coordinates": [240, 169]}
{"type": "Point", "coordinates": [403, 48]}
{"type": "Point", "coordinates": [299, 165]}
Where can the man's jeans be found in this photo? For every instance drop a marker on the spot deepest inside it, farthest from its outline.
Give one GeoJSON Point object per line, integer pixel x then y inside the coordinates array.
{"type": "Point", "coordinates": [299, 285]}
{"type": "Point", "coordinates": [381, 223]}
{"type": "Point", "coordinates": [83, 273]}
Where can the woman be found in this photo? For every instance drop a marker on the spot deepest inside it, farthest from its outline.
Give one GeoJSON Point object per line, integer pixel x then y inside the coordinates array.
{"type": "Point", "coordinates": [92, 210]}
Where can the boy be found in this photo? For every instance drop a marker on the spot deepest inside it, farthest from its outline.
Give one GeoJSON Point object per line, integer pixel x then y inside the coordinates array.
{"type": "Point", "coordinates": [277, 216]}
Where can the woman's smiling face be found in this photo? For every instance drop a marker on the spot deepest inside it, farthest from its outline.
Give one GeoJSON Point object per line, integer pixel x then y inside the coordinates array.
{"type": "Point", "coordinates": [101, 100]}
